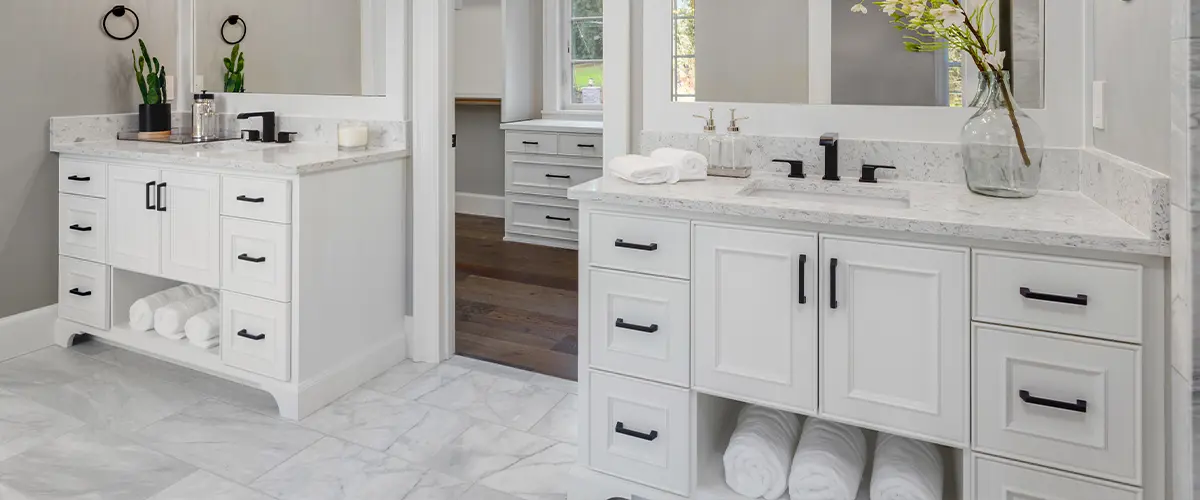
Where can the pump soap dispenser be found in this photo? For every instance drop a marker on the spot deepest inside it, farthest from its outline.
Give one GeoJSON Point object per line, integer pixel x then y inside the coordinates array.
{"type": "Point", "coordinates": [709, 144]}
{"type": "Point", "coordinates": [735, 151]}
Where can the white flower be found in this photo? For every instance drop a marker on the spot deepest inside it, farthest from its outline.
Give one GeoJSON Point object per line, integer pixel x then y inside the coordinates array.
{"type": "Point", "coordinates": [996, 60]}
{"type": "Point", "coordinates": [950, 15]}
{"type": "Point", "coordinates": [928, 27]}
{"type": "Point", "coordinates": [859, 8]}
{"type": "Point", "coordinates": [889, 6]}
{"type": "Point", "coordinates": [916, 8]}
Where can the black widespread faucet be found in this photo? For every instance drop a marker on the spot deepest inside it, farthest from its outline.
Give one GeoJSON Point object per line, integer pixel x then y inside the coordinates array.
{"type": "Point", "coordinates": [268, 127]}
{"type": "Point", "coordinates": [830, 142]}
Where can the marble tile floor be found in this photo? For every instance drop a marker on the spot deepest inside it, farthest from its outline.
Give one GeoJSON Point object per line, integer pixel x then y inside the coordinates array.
{"type": "Point", "coordinates": [97, 423]}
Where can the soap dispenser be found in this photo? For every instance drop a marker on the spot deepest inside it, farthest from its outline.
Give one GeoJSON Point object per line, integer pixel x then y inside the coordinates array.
{"type": "Point", "coordinates": [709, 144]}
{"type": "Point", "coordinates": [735, 151]}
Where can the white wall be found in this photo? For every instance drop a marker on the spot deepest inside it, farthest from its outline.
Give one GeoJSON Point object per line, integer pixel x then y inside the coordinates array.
{"type": "Point", "coordinates": [479, 158]}
{"type": "Point", "coordinates": [751, 51]}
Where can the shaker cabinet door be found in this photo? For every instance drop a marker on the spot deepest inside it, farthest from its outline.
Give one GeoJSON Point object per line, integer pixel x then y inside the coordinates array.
{"type": "Point", "coordinates": [191, 227]}
{"type": "Point", "coordinates": [133, 217]}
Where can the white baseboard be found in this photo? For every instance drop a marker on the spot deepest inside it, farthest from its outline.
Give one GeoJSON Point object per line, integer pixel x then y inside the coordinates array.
{"type": "Point", "coordinates": [484, 205]}
{"type": "Point", "coordinates": [27, 332]}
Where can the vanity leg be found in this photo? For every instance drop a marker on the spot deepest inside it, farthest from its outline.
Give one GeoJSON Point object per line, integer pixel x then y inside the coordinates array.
{"type": "Point", "coordinates": [64, 333]}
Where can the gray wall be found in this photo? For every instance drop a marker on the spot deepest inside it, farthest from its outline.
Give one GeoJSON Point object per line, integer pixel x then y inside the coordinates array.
{"type": "Point", "coordinates": [56, 62]}
{"type": "Point", "coordinates": [871, 66]}
{"type": "Point", "coordinates": [751, 51]}
{"type": "Point", "coordinates": [480, 155]}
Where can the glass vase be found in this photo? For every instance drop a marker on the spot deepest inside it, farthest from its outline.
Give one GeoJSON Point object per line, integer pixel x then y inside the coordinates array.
{"type": "Point", "coordinates": [1002, 146]}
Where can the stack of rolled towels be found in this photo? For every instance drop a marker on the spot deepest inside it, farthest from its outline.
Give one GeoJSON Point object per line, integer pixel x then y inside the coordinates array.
{"type": "Point", "coordinates": [186, 311]}
{"type": "Point", "coordinates": [663, 166]}
{"type": "Point", "coordinates": [828, 463]}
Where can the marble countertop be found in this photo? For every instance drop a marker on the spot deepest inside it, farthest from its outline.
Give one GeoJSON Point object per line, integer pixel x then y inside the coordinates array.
{"type": "Point", "coordinates": [1052, 218]}
{"type": "Point", "coordinates": [285, 159]}
{"type": "Point", "coordinates": [577, 126]}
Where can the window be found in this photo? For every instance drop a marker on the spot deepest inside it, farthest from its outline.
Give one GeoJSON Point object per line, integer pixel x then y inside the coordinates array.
{"type": "Point", "coordinates": [585, 54]}
{"type": "Point", "coordinates": [683, 55]}
{"type": "Point", "coordinates": [954, 75]}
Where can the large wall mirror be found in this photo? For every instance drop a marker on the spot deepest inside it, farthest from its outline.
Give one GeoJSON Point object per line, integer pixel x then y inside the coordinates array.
{"type": "Point", "coordinates": [819, 52]}
{"type": "Point", "coordinates": [320, 47]}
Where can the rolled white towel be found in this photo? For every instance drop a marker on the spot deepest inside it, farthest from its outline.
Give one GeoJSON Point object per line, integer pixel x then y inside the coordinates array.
{"type": "Point", "coordinates": [906, 469]}
{"type": "Point", "coordinates": [692, 166]}
{"type": "Point", "coordinates": [643, 170]}
{"type": "Point", "coordinates": [141, 313]}
{"type": "Point", "coordinates": [829, 462]}
{"type": "Point", "coordinates": [760, 452]}
{"type": "Point", "coordinates": [169, 320]}
{"type": "Point", "coordinates": [204, 329]}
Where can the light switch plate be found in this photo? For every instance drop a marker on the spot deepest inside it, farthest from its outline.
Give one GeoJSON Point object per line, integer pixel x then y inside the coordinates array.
{"type": "Point", "coordinates": [170, 87]}
{"type": "Point", "coordinates": [1098, 105]}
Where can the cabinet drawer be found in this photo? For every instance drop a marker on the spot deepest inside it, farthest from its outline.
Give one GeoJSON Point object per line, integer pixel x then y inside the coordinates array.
{"type": "Point", "coordinates": [1093, 298]}
{"type": "Point", "coordinates": [256, 335]}
{"type": "Point", "coordinates": [542, 216]}
{"type": "Point", "coordinates": [82, 224]}
{"type": "Point", "coordinates": [83, 292]}
{"type": "Point", "coordinates": [1068, 404]}
{"type": "Point", "coordinates": [581, 145]}
{"type": "Point", "coordinates": [87, 178]}
{"type": "Point", "coordinates": [256, 258]}
{"type": "Point", "coordinates": [537, 175]}
{"type": "Point", "coordinates": [640, 326]}
{"type": "Point", "coordinates": [530, 142]}
{"type": "Point", "coordinates": [640, 431]}
{"type": "Point", "coordinates": [259, 199]}
{"type": "Point", "coordinates": [641, 244]}
{"type": "Point", "coordinates": [1004, 480]}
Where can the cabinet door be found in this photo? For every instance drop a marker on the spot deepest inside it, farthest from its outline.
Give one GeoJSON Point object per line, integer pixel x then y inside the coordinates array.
{"type": "Point", "coordinates": [894, 336]}
{"type": "Point", "coordinates": [756, 315]}
{"type": "Point", "coordinates": [133, 219]}
{"type": "Point", "coordinates": [191, 225]}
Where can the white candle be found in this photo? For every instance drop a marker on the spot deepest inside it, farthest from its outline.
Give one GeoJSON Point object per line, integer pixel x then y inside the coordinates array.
{"type": "Point", "coordinates": [352, 135]}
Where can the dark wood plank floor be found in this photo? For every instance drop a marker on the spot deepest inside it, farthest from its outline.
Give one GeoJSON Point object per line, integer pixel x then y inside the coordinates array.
{"type": "Point", "coordinates": [516, 303]}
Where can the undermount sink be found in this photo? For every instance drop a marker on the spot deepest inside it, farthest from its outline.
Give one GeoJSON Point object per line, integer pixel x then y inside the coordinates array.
{"type": "Point", "coordinates": [238, 146]}
{"type": "Point", "coordinates": [829, 194]}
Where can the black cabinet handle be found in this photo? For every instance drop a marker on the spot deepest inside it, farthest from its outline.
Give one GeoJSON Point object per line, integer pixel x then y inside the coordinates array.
{"type": "Point", "coordinates": [637, 328]}
{"type": "Point", "coordinates": [256, 260]}
{"type": "Point", "coordinates": [162, 197]}
{"type": "Point", "coordinates": [248, 199]}
{"type": "Point", "coordinates": [803, 264]}
{"type": "Point", "coordinates": [593, 146]}
{"type": "Point", "coordinates": [833, 303]}
{"type": "Point", "coordinates": [76, 291]}
{"type": "Point", "coordinates": [562, 219]}
{"type": "Point", "coordinates": [634, 246]}
{"type": "Point", "coordinates": [556, 176]}
{"type": "Point", "coordinates": [150, 187]}
{"type": "Point", "coordinates": [646, 437]}
{"type": "Point", "coordinates": [246, 335]}
{"type": "Point", "coordinates": [529, 143]}
{"type": "Point", "coordinates": [1079, 406]}
{"type": "Point", "coordinates": [77, 227]}
{"type": "Point", "coordinates": [77, 178]}
{"type": "Point", "coordinates": [1078, 300]}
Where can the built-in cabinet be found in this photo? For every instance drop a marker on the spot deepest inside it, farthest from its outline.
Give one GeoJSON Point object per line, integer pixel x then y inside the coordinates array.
{"type": "Point", "coordinates": [542, 159]}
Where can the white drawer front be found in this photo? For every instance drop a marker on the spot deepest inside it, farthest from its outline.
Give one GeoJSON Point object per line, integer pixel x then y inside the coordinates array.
{"type": "Point", "coordinates": [640, 326]}
{"type": "Point", "coordinates": [256, 258]}
{"type": "Point", "coordinates": [1049, 293]}
{"type": "Point", "coordinates": [1003, 480]}
{"type": "Point", "coordinates": [640, 431]}
{"type": "Point", "coordinates": [82, 226]}
{"type": "Point", "coordinates": [259, 199]}
{"type": "Point", "coordinates": [256, 335]}
{"type": "Point", "coordinates": [87, 178]}
{"type": "Point", "coordinates": [581, 145]}
{"type": "Point", "coordinates": [539, 175]}
{"type": "Point", "coordinates": [539, 216]}
{"type": "Point", "coordinates": [641, 244]}
{"type": "Point", "coordinates": [530, 142]}
{"type": "Point", "coordinates": [1068, 404]}
{"type": "Point", "coordinates": [83, 292]}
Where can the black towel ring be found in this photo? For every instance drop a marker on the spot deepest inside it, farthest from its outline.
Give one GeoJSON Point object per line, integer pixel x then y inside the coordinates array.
{"type": "Point", "coordinates": [119, 11]}
{"type": "Point", "coordinates": [232, 21]}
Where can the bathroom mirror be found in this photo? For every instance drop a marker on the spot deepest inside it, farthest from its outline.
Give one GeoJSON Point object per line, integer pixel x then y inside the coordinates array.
{"type": "Point", "coordinates": [819, 52]}
{"type": "Point", "coordinates": [322, 47]}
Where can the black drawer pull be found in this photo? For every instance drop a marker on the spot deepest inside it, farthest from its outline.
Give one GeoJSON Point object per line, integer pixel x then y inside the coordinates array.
{"type": "Point", "coordinates": [593, 146]}
{"type": "Point", "coordinates": [637, 328]}
{"type": "Point", "coordinates": [256, 260]}
{"type": "Point", "coordinates": [562, 219]}
{"type": "Point", "coordinates": [150, 187]}
{"type": "Point", "coordinates": [1078, 300]}
{"type": "Point", "coordinates": [556, 176]}
{"type": "Point", "coordinates": [162, 197]}
{"type": "Point", "coordinates": [529, 143]}
{"type": "Point", "coordinates": [634, 246]}
{"type": "Point", "coordinates": [76, 291]}
{"type": "Point", "coordinates": [77, 178]}
{"type": "Point", "coordinates": [803, 264]}
{"type": "Point", "coordinates": [1079, 406]}
{"type": "Point", "coordinates": [833, 303]}
{"type": "Point", "coordinates": [77, 227]}
{"type": "Point", "coordinates": [645, 437]}
{"type": "Point", "coordinates": [247, 199]}
{"type": "Point", "coordinates": [246, 335]}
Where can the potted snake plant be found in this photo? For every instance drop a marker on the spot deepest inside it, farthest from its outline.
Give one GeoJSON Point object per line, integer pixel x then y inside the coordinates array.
{"type": "Point", "coordinates": [235, 64]}
{"type": "Point", "coordinates": [154, 114]}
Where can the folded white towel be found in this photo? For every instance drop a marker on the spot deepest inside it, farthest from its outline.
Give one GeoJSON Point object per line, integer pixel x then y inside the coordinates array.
{"type": "Point", "coordinates": [906, 469]}
{"type": "Point", "coordinates": [169, 320]}
{"type": "Point", "coordinates": [643, 170]}
{"type": "Point", "coordinates": [204, 329]}
{"type": "Point", "coordinates": [829, 462]}
{"type": "Point", "coordinates": [760, 452]}
{"type": "Point", "coordinates": [692, 166]}
{"type": "Point", "coordinates": [141, 313]}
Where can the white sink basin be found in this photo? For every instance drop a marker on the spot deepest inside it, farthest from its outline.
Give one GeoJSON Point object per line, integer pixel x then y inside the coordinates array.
{"type": "Point", "coordinates": [237, 146]}
{"type": "Point", "coordinates": [829, 194]}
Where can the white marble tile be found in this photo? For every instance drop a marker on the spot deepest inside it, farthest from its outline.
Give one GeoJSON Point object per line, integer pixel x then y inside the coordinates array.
{"type": "Point", "coordinates": [203, 485]}
{"type": "Point", "coordinates": [48, 367]}
{"type": "Point", "coordinates": [333, 469]}
{"type": "Point", "coordinates": [367, 418]}
{"type": "Point", "coordinates": [500, 400]}
{"type": "Point", "coordinates": [25, 424]}
{"type": "Point", "coordinates": [211, 433]}
{"type": "Point", "coordinates": [485, 449]}
{"type": "Point", "coordinates": [393, 380]}
{"type": "Point", "coordinates": [558, 384]}
{"type": "Point", "coordinates": [118, 399]}
{"type": "Point", "coordinates": [544, 476]}
{"type": "Point", "coordinates": [481, 492]}
{"type": "Point", "coordinates": [427, 382]}
{"type": "Point", "coordinates": [491, 368]}
{"type": "Point", "coordinates": [91, 464]}
{"type": "Point", "coordinates": [562, 423]}
{"type": "Point", "coordinates": [437, 486]}
{"type": "Point", "coordinates": [238, 394]}
{"type": "Point", "coordinates": [430, 436]}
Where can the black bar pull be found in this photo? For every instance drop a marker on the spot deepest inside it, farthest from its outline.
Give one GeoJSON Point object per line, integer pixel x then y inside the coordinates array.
{"type": "Point", "coordinates": [77, 227]}
{"type": "Point", "coordinates": [1078, 300]}
{"type": "Point", "coordinates": [76, 291]}
{"type": "Point", "coordinates": [162, 197]}
{"type": "Point", "coordinates": [256, 260]}
{"type": "Point", "coordinates": [529, 143]}
{"type": "Point", "coordinates": [593, 146]}
{"type": "Point", "coordinates": [246, 335]}
{"type": "Point", "coordinates": [803, 264]}
{"type": "Point", "coordinates": [1079, 406]}
{"type": "Point", "coordinates": [556, 176]}
{"type": "Point", "coordinates": [563, 219]}
{"type": "Point", "coordinates": [637, 328]}
{"type": "Point", "coordinates": [645, 437]}
{"type": "Point", "coordinates": [833, 303]}
{"type": "Point", "coordinates": [247, 199]}
{"type": "Point", "coordinates": [634, 246]}
{"type": "Point", "coordinates": [150, 187]}
{"type": "Point", "coordinates": [77, 178]}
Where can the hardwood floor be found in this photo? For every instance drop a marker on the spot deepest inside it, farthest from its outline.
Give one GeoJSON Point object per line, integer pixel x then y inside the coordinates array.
{"type": "Point", "coordinates": [517, 304]}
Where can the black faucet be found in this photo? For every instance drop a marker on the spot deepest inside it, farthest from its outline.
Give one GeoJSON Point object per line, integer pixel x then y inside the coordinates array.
{"type": "Point", "coordinates": [268, 127]}
{"type": "Point", "coordinates": [830, 142]}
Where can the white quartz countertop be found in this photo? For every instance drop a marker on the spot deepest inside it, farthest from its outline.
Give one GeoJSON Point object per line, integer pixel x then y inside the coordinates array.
{"type": "Point", "coordinates": [286, 159]}
{"type": "Point", "coordinates": [1052, 218]}
{"type": "Point", "coordinates": [576, 126]}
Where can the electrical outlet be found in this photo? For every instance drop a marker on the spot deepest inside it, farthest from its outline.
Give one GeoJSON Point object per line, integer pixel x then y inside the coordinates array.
{"type": "Point", "coordinates": [1098, 105]}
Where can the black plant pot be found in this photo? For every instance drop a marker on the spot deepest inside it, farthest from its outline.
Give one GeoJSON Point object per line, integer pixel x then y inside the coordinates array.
{"type": "Point", "coordinates": [154, 117]}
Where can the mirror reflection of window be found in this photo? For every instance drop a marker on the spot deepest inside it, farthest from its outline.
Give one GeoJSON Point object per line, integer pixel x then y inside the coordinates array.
{"type": "Point", "coordinates": [586, 54]}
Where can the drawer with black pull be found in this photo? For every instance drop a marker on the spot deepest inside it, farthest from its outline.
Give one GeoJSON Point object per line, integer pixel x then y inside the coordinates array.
{"type": "Point", "coordinates": [640, 431]}
{"type": "Point", "coordinates": [541, 216]}
{"type": "Point", "coordinates": [267, 200]}
{"type": "Point", "coordinates": [1081, 297]}
{"type": "Point", "coordinates": [546, 176]}
{"type": "Point", "coordinates": [82, 227]}
{"type": "Point", "coordinates": [640, 244]}
{"type": "Point", "coordinates": [83, 292]}
{"type": "Point", "coordinates": [581, 145]}
{"type": "Point", "coordinates": [640, 325]}
{"type": "Point", "coordinates": [86, 178]}
{"type": "Point", "coordinates": [256, 335]}
{"type": "Point", "coordinates": [1069, 404]}
{"type": "Point", "coordinates": [256, 258]}
{"type": "Point", "coordinates": [531, 142]}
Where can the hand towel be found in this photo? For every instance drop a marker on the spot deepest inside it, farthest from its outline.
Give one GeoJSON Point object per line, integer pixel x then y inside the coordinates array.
{"type": "Point", "coordinates": [829, 462]}
{"type": "Point", "coordinates": [204, 330]}
{"type": "Point", "coordinates": [906, 469]}
{"type": "Point", "coordinates": [692, 166]}
{"type": "Point", "coordinates": [169, 320]}
{"type": "Point", "coordinates": [141, 313]}
{"type": "Point", "coordinates": [643, 170]}
{"type": "Point", "coordinates": [760, 452]}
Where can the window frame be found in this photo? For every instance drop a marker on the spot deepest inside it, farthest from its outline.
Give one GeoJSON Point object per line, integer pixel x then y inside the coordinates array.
{"type": "Point", "coordinates": [566, 60]}
{"type": "Point", "coordinates": [676, 57]}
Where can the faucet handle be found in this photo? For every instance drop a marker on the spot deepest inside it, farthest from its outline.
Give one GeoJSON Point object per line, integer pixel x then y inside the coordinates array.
{"type": "Point", "coordinates": [829, 138]}
{"type": "Point", "coordinates": [797, 168]}
{"type": "Point", "coordinates": [251, 135]}
{"type": "Point", "coordinates": [868, 172]}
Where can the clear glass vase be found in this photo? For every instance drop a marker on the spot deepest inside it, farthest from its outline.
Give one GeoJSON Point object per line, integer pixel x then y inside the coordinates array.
{"type": "Point", "coordinates": [1002, 146]}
